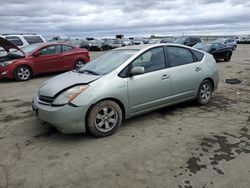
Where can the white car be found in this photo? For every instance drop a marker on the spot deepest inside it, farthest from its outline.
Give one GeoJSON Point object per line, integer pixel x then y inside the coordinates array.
{"type": "Point", "coordinates": [21, 40]}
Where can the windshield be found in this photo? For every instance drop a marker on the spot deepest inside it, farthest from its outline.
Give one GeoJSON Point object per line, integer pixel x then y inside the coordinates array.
{"type": "Point", "coordinates": [27, 49]}
{"type": "Point", "coordinates": [202, 46]}
{"type": "Point", "coordinates": [108, 62]}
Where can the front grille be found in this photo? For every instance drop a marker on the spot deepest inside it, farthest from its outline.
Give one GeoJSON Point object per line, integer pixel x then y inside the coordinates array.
{"type": "Point", "coordinates": [45, 99]}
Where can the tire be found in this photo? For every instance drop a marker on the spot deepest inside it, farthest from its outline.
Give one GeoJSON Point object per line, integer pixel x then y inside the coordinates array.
{"type": "Point", "coordinates": [204, 93]}
{"type": "Point", "coordinates": [79, 63]}
{"type": "Point", "coordinates": [104, 118]}
{"type": "Point", "coordinates": [228, 57]}
{"type": "Point", "coordinates": [234, 47]}
{"type": "Point", "coordinates": [22, 73]}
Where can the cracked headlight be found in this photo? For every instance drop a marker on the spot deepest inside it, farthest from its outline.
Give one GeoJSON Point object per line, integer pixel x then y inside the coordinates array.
{"type": "Point", "coordinates": [69, 95]}
{"type": "Point", "coordinates": [6, 63]}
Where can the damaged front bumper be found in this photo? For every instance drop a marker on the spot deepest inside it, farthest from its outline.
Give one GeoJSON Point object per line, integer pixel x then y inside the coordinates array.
{"type": "Point", "coordinates": [67, 119]}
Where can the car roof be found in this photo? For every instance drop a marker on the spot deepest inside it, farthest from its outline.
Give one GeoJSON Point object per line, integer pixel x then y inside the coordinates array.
{"type": "Point", "coordinates": [147, 46]}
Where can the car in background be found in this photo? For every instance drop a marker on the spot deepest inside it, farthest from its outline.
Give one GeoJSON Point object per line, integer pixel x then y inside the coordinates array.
{"type": "Point", "coordinates": [23, 63]}
{"type": "Point", "coordinates": [127, 42]}
{"type": "Point", "coordinates": [188, 41]}
{"type": "Point", "coordinates": [94, 45]}
{"type": "Point", "coordinates": [243, 40]}
{"type": "Point", "coordinates": [218, 50]}
{"type": "Point", "coordinates": [123, 83]}
{"type": "Point", "coordinates": [228, 42]}
{"type": "Point", "coordinates": [138, 41]}
{"type": "Point", "coordinates": [113, 43]}
{"type": "Point", "coordinates": [21, 40]}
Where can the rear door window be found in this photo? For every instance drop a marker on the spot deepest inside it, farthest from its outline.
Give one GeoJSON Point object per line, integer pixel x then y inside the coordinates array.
{"type": "Point", "coordinates": [178, 56]}
{"type": "Point", "coordinates": [33, 39]}
{"type": "Point", "coordinates": [15, 40]}
{"type": "Point", "coordinates": [67, 48]}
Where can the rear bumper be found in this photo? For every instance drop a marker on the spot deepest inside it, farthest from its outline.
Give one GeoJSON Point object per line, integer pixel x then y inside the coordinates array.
{"type": "Point", "coordinates": [67, 119]}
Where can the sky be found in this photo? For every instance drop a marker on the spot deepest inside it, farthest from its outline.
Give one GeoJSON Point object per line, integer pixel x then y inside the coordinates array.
{"type": "Point", "coordinates": [129, 17]}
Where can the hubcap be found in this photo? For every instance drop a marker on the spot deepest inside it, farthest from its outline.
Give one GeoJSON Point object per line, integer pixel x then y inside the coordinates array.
{"type": "Point", "coordinates": [79, 64]}
{"type": "Point", "coordinates": [106, 119]}
{"type": "Point", "coordinates": [205, 92]}
{"type": "Point", "coordinates": [23, 73]}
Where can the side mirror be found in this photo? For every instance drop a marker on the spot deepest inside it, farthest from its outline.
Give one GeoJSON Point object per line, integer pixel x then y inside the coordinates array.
{"type": "Point", "coordinates": [37, 53]}
{"type": "Point", "coordinates": [137, 71]}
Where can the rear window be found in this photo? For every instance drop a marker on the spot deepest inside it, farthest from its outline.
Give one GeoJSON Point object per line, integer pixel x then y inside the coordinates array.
{"type": "Point", "coordinates": [15, 40]}
{"type": "Point", "coordinates": [198, 55]}
{"type": "Point", "coordinates": [33, 39]}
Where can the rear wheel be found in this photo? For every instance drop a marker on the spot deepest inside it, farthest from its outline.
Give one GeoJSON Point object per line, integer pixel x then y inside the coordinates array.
{"type": "Point", "coordinates": [104, 118]}
{"type": "Point", "coordinates": [204, 93]}
{"type": "Point", "coordinates": [234, 47]}
{"type": "Point", "coordinates": [228, 57]}
{"type": "Point", "coordinates": [79, 64]}
{"type": "Point", "coordinates": [22, 73]}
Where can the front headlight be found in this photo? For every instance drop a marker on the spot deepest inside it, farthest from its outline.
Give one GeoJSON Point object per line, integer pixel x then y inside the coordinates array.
{"type": "Point", "coordinates": [69, 95]}
{"type": "Point", "coordinates": [6, 63]}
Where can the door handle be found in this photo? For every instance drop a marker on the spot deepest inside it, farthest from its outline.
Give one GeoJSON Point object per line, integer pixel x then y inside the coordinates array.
{"type": "Point", "coordinates": [197, 69]}
{"type": "Point", "coordinates": [165, 76]}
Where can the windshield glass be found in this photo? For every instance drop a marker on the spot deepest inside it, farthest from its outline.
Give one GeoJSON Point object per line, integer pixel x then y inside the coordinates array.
{"type": "Point", "coordinates": [27, 49]}
{"type": "Point", "coordinates": [202, 46]}
{"type": "Point", "coordinates": [108, 62]}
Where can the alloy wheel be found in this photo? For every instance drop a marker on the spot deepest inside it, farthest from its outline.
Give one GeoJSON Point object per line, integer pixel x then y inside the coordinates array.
{"type": "Point", "coordinates": [79, 64]}
{"type": "Point", "coordinates": [205, 92]}
{"type": "Point", "coordinates": [106, 119]}
{"type": "Point", "coordinates": [23, 73]}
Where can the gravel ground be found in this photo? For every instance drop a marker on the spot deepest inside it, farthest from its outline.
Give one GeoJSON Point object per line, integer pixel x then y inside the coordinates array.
{"type": "Point", "coordinates": [182, 146]}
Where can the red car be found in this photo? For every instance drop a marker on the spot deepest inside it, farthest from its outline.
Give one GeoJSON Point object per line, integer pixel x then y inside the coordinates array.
{"type": "Point", "coordinates": [22, 64]}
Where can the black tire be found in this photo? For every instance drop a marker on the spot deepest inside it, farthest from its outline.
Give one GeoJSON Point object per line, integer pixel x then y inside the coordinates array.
{"type": "Point", "coordinates": [22, 73]}
{"type": "Point", "coordinates": [234, 47]}
{"type": "Point", "coordinates": [228, 57]}
{"type": "Point", "coordinates": [79, 63]}
{"type": "Point", "coordinates": [104, 118]}
{"type": "Point", "coordinates": [204, 93]}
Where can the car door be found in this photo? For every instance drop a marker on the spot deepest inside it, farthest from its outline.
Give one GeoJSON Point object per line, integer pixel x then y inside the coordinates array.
{"type": "Point", "coordinates": [68, 57]}
{"type": "Point", "coordinates": [49, 60]}
{"type": "Point", "coordinates": [152, 88]}
{"type": "Point", "coordinates": [186, 71]}
{"type": "Point", "coordinates": [217, 51]}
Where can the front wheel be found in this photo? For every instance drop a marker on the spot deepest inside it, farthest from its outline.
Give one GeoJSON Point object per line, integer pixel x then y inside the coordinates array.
{"type": "Point", "coordinates": [204, 93]}
{"type": "Point", "coordinates": [104, 118]}
{"type": "Point", "coordinates": [79, 64]}
{"type": "Point", "coordinates": [22, 73]}
{"type": "Point", "coordinates": [228, 57]}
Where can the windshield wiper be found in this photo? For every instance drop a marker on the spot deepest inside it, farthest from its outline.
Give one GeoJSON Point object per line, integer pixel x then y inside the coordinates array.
{"type": "Point", "coordinates": [88, 71]}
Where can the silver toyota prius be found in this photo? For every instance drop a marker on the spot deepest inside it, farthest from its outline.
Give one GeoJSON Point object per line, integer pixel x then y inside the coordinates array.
{"type": "Point", "coordinates": [123, 83]}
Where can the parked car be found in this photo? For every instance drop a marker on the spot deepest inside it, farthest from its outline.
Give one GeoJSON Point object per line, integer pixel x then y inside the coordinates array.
{"type": "Point", "coordinates": [127, 42]}
{"type": "Point", "coordinates": [21, 64]}
{"type": "Point", "coordinates": [228, 42]}
{"type": "Point", "coordinates": [95, 45]}
{"type": "Point", "coordinates": [138, 41]}
{"type": "Point", "coordinates": [243, 40]}
{"type": "Point", "coordinates": [21, 40]}
{"type": "Point", "coordinates": [113, 43]}
{"type": "Point", "coordinates": [218, 50]}
{"type": "Point", "coordinates": [188, 41]}
{"type": "Point", "coordinates": [123, 83]}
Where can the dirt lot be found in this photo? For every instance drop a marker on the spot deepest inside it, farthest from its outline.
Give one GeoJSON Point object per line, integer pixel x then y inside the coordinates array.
{"type": "Point", "coordinates": [183, 146]}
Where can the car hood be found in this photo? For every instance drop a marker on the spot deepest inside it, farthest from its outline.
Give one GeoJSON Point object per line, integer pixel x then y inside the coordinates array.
{"type": "Point", "coordinates": [7, 45]}
{"type": "Point", "coordinates": [55, 85]}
